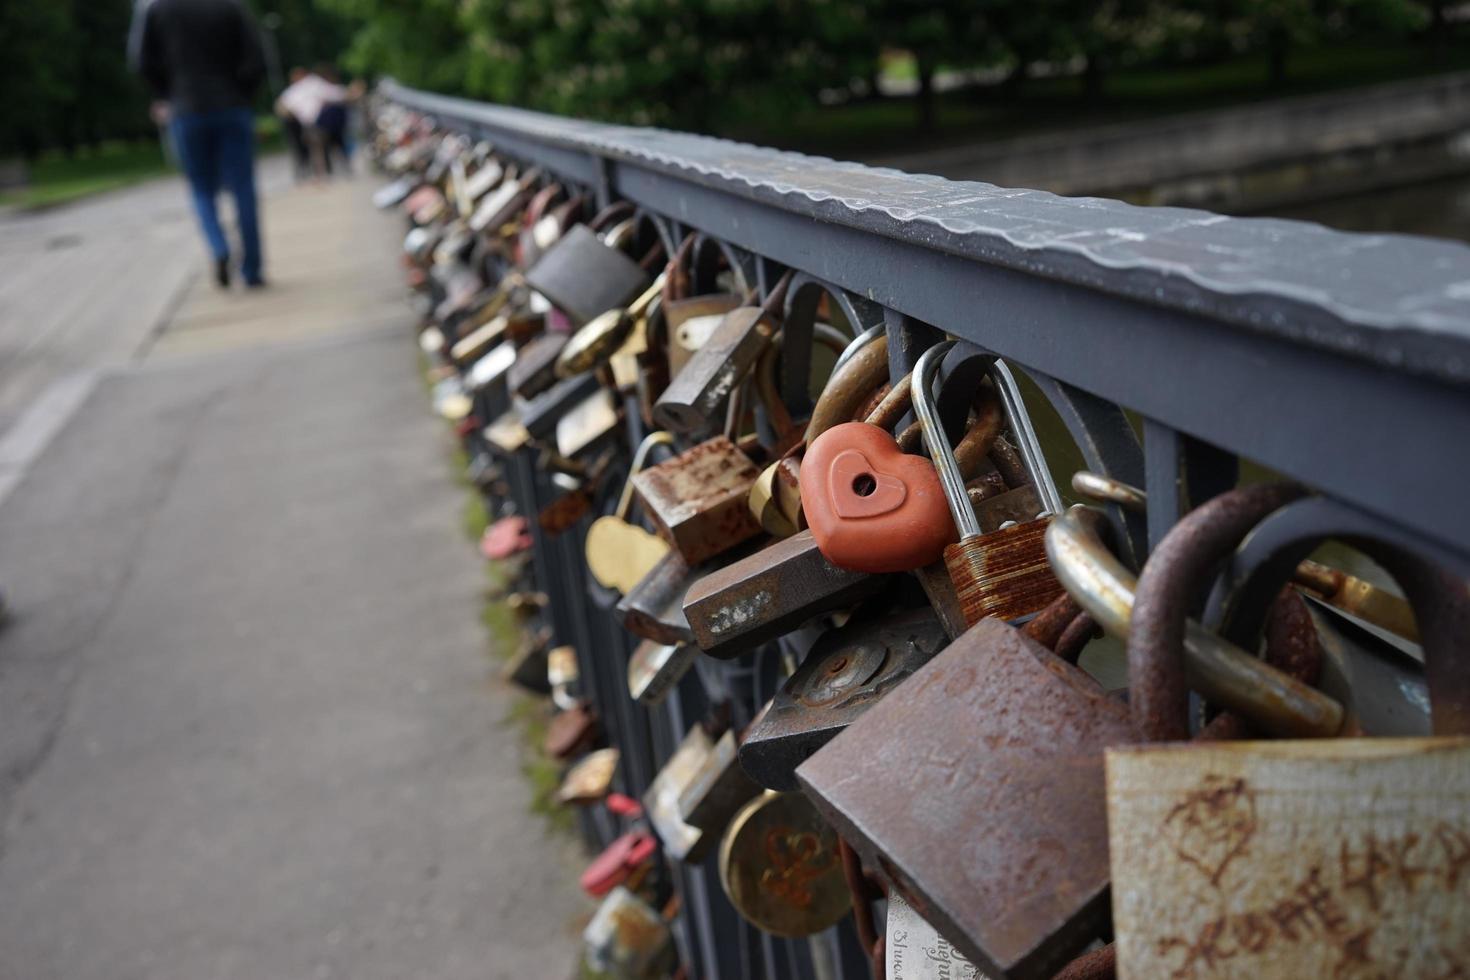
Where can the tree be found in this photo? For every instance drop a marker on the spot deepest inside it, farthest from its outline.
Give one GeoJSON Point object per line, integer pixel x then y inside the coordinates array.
{"type": "Point", "coordinates": [35, 75]}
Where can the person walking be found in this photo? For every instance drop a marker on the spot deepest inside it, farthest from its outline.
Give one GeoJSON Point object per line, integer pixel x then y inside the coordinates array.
{"type": "Point", "coordinates": [204, 58]}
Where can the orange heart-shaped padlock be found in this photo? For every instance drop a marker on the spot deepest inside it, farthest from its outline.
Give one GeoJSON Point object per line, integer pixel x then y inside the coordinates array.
{"type": "Point", "coordinates": [872, 507]}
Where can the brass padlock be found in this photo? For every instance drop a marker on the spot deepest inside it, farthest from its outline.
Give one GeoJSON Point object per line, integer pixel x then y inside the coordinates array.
{"type": "Point", "coordinates": [597, 340]}
{"type": "Point", "coordinates": [589, 779]}
{"type": "Point", "coordinates": [697, 500]}
{"type": "Point", "coordinates": [845, 673]}
{"type": "Point", "coordinates": [619, 553]}
{"type": "Point", "coordinates": [735, 609]}
{"type": "Point", "coordinates": [780, 867]}
{"type": "Point", "coordinates": [1004, 573]}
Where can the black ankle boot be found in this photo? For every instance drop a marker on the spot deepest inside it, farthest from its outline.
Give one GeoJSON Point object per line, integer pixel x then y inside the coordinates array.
{"type": "Point", "coordinates": [222, 273]}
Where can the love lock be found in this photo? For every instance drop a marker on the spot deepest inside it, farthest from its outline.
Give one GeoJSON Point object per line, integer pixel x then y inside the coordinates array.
{"type": "Point", "coordinates": [976, 788]}
{"type": "Point", "coordinates": [735, 609]}
{"type": "Point", "coordinates": [780, 867]}
{"type": "Point", "coordinates": [628, 940]}
{"type": "Point", "coordinates": [589, 779]}
{"type": "Point", "coordinates": [619, 553]}
{"type": "Point", "coordinates": [655, 669]}
{"type": "Point", "coordinates": [697, 500]}
{"type": "Point", "coordinates": [845, 673]}
{"type": "Point", "coordinates": [582, 276]}
{"type": "Point", "coordinates": [694, 397]}
{"type": "Point", "coordinates": [689, 320]}
{"type": "Point", "coordinates": [1291, 858]}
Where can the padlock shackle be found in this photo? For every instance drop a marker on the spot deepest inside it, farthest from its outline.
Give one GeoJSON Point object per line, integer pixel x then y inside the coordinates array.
{"type": "Point", "coordinates": [936, 441]}
{"type": "Point", "coordinates": [1026, 442]}
{"type": "Point", "coordinates": [1219, 670]}
{"type": "Point", "coordinates": [858, 343]}
{"type": "Point", "coordinates": [640, 457]}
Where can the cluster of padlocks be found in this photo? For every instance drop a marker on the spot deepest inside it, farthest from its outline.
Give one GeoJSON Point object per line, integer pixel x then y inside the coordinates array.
{"type": "Point", "coordinates": [841, 681]}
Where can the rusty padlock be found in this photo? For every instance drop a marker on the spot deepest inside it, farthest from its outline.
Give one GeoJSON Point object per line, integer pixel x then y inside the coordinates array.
{"type": "Point", "coordinates": [1235, 859]}
{"type": "Point", "coordinates": [534, 369]}
{"type": "Point", "coordinates": [697, 500]}
{"type": "Point", "coordinates": [1002, 742]}
{"type": "Point", "coordinates": [845, 673]}
{"type": "Point", "coordinates": [627, 939]}
{"type": "Point", "coordinates": [572, 731]}
{"type": "Point", "coordinates": [734, 609]}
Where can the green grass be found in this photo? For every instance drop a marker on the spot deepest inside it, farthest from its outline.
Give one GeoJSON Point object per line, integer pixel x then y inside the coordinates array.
{"type": "Point", "coordinates": [529, 715]}
{"type": "Point", "coordinates": [888, 126]}
{"type": "Point", "coordinates": [57, 178]}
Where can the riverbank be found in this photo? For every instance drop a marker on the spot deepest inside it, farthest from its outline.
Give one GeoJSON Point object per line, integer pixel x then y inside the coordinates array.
{"type": "Point", "coordinates": [1244, 158]}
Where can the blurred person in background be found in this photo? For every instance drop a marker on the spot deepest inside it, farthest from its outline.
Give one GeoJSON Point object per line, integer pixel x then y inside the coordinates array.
{"type": "Point", "coordinates": [319, 104]}
{"type": "Point", "coordinates": [295, 132]}
{"type": "Point", "coordinates": [204, 58]}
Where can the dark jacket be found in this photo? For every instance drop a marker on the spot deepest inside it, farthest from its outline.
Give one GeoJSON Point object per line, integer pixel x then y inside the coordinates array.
{"type": "Point", "coordinates": [200, 55]}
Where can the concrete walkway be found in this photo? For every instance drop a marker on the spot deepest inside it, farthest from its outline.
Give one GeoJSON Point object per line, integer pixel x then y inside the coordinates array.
{"type": "Point", "coordinates": [248, 728]}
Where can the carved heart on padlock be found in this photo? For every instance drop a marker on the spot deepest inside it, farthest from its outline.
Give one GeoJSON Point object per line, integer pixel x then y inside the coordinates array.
{"type": "Point", "coordinates": [872, 507]}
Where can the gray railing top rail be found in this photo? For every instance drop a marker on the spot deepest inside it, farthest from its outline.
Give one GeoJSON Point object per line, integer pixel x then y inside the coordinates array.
{"type": "Point", "coordinates": [1400, 301]}
{"type": "Point", "coordinates": [1342, 360]}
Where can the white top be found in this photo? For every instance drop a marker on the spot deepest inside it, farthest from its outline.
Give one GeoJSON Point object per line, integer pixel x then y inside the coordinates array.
{"type": "Point", "coordinates": [306, 99]}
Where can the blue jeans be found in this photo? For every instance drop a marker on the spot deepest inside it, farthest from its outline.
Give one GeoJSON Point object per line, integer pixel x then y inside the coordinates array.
{"type": "Point", "coordinates": [217, 150]}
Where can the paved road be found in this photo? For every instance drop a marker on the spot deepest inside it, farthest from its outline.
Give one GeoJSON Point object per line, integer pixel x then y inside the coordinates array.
{"type": "Point", "coordinates": [248, 728]}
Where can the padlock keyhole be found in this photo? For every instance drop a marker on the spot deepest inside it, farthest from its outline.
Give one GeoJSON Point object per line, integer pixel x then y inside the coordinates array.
{"type": "Point", "coordinates": [863, 484]}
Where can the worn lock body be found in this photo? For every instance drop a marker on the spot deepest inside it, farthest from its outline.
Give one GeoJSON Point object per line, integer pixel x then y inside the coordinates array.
{"type": "Point", "coordinates": [692, 401]}
{"type": "Point", "coordinates": [697, 500]}
{"type": "Point", "coordinates": [735, 609]}
{"type": "Point", "coordinates": [655, 668]}
{"type": "Point", "coordinates": [589, 424]}
{"type": "Point", "coordinates": [681, 840]}
{"type": "Point", "coordinates": [718, 788]}
{"type": "Point", "coordinates": [977, 789]}
{"type": "Point", "coordinates": [1340, 857]}
{"type": "Point", "coordinates": [534, 369]}
{"type": "Point", "coordinates": [654, 608]}
{"type": "Point", "coordinates": [628, 939]}
{"type": "Point", "coordinates": [589, 779]}
{"type": "Point", "coordinates": [541, 414]}
{"type": "Point", "coordinates": [572, 731]}
{"type": "Point", "coordinates": [691, 322]}
{"type": "Point", "coordinates": [844, 674]}
{"type": "Point", "coordinates": [582, 276]}
{"type": "Point", "coordinates": [780, 866]}
{"type": "Point", "coordinates": [870, 506]}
